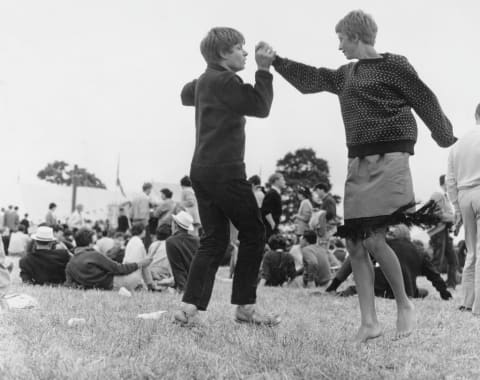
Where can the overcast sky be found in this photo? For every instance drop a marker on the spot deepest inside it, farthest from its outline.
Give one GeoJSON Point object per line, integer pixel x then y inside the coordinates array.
{"type": "Point", "coordinates": [86, 81]}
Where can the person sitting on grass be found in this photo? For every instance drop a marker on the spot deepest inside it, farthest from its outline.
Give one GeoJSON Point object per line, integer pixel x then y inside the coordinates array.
{"type": "Point", "coordinates": [117, 252]}
{"type": "Point", "coordinates": [181, 248]}
{"type": "Point", "coordinates": [18, 242]}
{"type": "Point", "coordinates": [89, 269]}
{"type": "Point", "coordinates": [44, 264]}
{"type": "Point", "coordinates": [278, 266]}
{"type": "Point", "coordinates": [413, 262]}
{"type": "Point", "coordinates": [160, 268]}
{"type": "Point", "coordinates": [317, 261]}
{"type": "Point", "coordinates": [135, 251]}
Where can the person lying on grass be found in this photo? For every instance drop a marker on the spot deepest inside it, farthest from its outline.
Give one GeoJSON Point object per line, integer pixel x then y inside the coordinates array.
{"type": "Point", "coordinates": [89, 269]}
{"type": "Point", "coordinates": [413, 263]}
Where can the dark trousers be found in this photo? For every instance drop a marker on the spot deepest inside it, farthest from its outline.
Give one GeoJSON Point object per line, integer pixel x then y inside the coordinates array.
{"type": "Point", "coordinates": [218, 203]}
{"type": "Point", "coordinates": [442, 245]}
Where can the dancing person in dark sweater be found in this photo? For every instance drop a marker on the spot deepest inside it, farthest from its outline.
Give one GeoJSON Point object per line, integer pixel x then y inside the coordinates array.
{"type": "Point", "coordinates": [218, 176]}
{"type": "Point", "coordinates": [376, 94]}
{"type": "Point", "coordinates": [414, 263]}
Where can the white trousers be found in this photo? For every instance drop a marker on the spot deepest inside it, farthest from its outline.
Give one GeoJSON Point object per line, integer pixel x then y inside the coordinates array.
{"type": "Point", "coordinates": [469, 201]}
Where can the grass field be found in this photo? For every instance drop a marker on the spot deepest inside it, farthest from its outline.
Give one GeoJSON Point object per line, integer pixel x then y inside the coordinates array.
{"type": "Point", "coordinates": [311, 343]}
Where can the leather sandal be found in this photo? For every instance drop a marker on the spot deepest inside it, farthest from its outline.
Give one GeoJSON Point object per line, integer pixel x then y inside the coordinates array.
{"type": "Point", "coordinates": [256, 318]}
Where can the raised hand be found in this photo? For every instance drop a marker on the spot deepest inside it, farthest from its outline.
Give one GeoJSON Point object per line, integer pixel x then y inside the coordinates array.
{"type": "Point", "coordinates": [264, 55]}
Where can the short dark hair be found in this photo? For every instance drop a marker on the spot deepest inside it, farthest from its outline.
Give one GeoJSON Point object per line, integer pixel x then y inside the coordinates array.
{"type": "Point", "coordinates": [21, 228]}
{"type": "Point", "coordinates": [163, 231]}
{"type": "Point", "coordinates": [255, 180]}
{"type": "Point", "coordinates": [185, 181]}
{"type": "Point", "coordinates": [325, 186]}
{"type": "Point", "coordinates": [218, 41]}
{"type": "Point", "coordinates": [146, 186]}
{"type": "Point", "coordinates": [167, 192]}
{"type": "Point", "coordinates": [83, 237]}
{"type": "Point", "coordinates": [137, 229]}
{"type": "Point", "coordinates": [310, 236]}
{"type": "Point", "coordinates": [51, 206]}
{"type": "Point", "coordinates": [57, 227]}
{"type": "Point", "coordinates": [477, 111]}
{"type": "Point", "coordinates": [441, 180]}
{"type": "Point", "coordinates": [305, 191]}
{"type": "Point", "coordinates": [277, 241]}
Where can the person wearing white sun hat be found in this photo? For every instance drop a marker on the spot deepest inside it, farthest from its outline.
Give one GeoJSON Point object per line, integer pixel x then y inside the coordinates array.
{"type": "Point", "coordinates": [45, 264]}
{"type": "Point", "coordinates": [181, 247]}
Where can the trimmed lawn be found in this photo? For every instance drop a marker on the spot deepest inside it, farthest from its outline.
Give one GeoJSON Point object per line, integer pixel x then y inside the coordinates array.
{"type": "Point", "coordinates": [311, 343]}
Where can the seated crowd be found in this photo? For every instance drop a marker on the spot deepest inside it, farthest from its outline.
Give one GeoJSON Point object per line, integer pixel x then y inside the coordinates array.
{"type": "Point", "coordinates": [99, 260]}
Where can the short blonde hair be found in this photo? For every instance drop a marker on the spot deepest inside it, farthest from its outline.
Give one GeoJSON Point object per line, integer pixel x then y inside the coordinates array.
{"type": "Point", "coordinates": [219, 40]}
{"type": "Point", "coordinates": [358, 24]}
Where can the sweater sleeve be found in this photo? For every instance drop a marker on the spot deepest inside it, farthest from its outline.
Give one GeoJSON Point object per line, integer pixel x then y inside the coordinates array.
{"type": "Point", "coordinates": [114, 267]}
{"type": "Point", "coordinates": [424, 102]}
{"type": "Point", "coordinates": [188, 93]}
{"type": "Point", "coordinates": [309, 79]}
{"type": "Point", "coordinates": [429, 271]}
{"type": "Point", "coordinates": [246, 99]}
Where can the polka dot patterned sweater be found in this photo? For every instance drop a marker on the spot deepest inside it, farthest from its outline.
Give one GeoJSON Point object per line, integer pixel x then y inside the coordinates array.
{"type": "Point", "coordinates": [376, 99]}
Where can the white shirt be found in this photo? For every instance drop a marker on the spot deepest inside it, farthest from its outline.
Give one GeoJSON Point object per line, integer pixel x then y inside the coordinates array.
{"type": "Point", "coordinates": [134, 252]}
{"type": "Point", "coordinates": [464, 165]}
{"type": "Point", "coordinates": [18, 242]}
{"type": "Point", "coordinates": [76, 220]}
{"type": "Point", "coordinates": [104, 245]}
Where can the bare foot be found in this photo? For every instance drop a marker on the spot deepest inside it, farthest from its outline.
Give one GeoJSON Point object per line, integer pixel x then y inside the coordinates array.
{"type": "Point", "coordinates": [367, 332]}
{"type": "Point", "coordinates": [406, 321]}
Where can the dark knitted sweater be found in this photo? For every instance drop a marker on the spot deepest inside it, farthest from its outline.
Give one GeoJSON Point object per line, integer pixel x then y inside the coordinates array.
{"type": "Point", "coordinates": [221, 103]}
{"type": "Point", "coordinates": [376, 97]}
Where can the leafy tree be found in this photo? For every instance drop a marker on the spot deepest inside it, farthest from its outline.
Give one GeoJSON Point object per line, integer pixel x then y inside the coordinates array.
{"type": "Point", "coordinates": [301, 168]}
{"type": "Point", "coordinates": [61, 173]}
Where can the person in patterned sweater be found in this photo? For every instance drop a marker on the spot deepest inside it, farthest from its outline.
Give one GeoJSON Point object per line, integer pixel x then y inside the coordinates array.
{"type": "Point", "coordinates": [377, 93]}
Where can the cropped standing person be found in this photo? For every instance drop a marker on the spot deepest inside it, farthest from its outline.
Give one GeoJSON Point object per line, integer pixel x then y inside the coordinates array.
{"type": "Point", "coordinates": [377, 93]}
{"type": "Point", "coordinates": [463, 185]}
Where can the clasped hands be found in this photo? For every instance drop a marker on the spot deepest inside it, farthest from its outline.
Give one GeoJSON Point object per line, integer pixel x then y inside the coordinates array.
{"type": "Point", "coordinates": [264, 55]}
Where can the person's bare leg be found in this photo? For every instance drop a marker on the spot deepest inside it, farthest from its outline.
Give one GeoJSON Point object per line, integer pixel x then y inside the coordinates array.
{"type": "Point", "coordinates": [364, 277]}
{"type": "Point", "coordinates": [381, 251]}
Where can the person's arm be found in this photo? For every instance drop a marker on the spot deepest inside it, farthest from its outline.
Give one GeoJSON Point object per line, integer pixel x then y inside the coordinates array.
{"type": "Point", "coordinates": [267, 207]}
{"type": "Point", "coordinates": [114, 267]}
{"type": "Point", "coordinates": [429, 271]}
{"type": "Point", "coordinates": [452, 191]}
{"type": "Point", "coordinates": [424, 102]}
{"type": "Point", "coordinates": [25, 273]}
{"type": "Point", "coordinates": [188, 93]}
{"type": "Point", "coordinates": [246, 99]}
{"type": "Point", "coordinates": [304, 212]}
{"type": "Point", "coordinates": [266, 267]}
{"type": "Point", "coordinates": [188, 199]}
{"type": "Point", "coordinates": [309, 79]}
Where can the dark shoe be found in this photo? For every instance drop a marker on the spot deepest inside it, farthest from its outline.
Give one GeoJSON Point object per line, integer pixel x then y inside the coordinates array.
{"type": "Point", "coordinates": [257, 318]}
{"type": "Point", "coordinates": [463, 308]}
